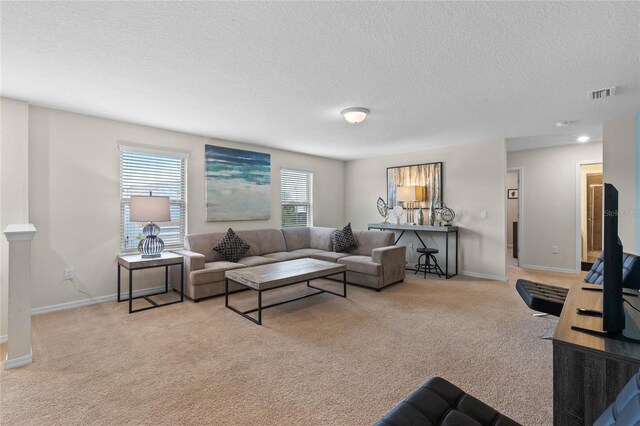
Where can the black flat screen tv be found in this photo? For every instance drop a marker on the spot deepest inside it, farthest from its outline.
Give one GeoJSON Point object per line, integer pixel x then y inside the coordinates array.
{"type": "Point", "coordinates": [613, 317]}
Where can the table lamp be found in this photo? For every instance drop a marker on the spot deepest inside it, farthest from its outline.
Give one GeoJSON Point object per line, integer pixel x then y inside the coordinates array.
{"type": "Point", "coordinates": [411, 194]}
{"type": "Point", "coordinates": [150, 209]}
{"type": "Point", "coordinates": [407, 194]}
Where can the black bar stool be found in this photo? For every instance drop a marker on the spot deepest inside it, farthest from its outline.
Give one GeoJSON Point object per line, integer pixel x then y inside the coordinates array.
{"type": "Point", "coordinates": [427, 266]}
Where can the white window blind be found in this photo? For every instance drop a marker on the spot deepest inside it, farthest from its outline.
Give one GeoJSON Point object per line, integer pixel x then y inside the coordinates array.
{"type": "Point", "coordinates": [163, 175]}
{"type": "Point", "coordinates": [296, 197]}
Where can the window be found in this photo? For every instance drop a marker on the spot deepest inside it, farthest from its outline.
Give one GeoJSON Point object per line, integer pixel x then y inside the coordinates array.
{"type": "Point", "coordinates": [296, 198]}
{"type": "Point", "coordinates": [163, 174]}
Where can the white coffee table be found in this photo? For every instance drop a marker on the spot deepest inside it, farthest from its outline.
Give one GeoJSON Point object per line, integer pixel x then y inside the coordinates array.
{"type": "Point", "coordinates": [276, 275]}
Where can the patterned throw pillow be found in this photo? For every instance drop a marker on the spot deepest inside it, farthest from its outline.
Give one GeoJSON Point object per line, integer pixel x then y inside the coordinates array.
{"type": "Point", "coordinates": [232, 247]}
{"type": "Point", "coordinates": [343, 239]}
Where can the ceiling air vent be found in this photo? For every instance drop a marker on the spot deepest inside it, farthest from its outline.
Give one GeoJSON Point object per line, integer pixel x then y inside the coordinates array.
{"type": "Point", "coordinates": [602, 93]}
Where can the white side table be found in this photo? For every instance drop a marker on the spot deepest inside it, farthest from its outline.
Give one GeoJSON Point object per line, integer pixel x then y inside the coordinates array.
{"type": "Point", "coordinates": [135, 262]}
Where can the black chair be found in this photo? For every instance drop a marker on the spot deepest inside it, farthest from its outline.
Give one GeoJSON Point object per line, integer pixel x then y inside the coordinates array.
{"type": "Point", "coordinates": [440, 403]}
{"type": "Point", "coordinates": [550, 299]}
{"type": "Point", "coordinates": [428, 267]}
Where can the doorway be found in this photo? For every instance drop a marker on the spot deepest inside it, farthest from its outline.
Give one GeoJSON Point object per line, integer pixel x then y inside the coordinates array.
{"type": "Point", "coordinates": [590, 214]}
{"type": "Point", "coordinates": [514, 216]}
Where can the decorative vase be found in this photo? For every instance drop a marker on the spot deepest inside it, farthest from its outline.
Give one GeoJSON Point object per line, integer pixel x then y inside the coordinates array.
{"type": "Point", "coordinates": [432, 215]}
{"type": "Point", "coordinates": [420, 216]}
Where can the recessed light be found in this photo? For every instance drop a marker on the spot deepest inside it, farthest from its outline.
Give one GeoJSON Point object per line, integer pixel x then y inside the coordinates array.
{"type": "Point", "coordinates": [583, 139]}
{"type": "Point", "coordinates": [355, 115]}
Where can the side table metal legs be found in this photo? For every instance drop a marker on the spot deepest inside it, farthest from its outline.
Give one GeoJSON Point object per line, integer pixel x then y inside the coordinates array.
{"type": "Point", "coordinates": [154, 304]}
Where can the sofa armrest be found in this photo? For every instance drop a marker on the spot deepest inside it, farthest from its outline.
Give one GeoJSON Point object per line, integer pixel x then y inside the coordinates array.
{"type": "Point", "coordinates": [192, 260]}
{"type": "Point", "coordinates": [392, 259]}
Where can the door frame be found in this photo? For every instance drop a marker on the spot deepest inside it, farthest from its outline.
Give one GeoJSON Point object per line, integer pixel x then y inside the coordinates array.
{"type": "Point", "coordinates": [520, 171]}
{"type": "Point", "coordinates": [578, 200]}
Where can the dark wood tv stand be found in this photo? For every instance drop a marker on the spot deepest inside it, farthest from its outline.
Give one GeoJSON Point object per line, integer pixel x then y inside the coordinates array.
{"type": "Point", "coordinates": [588, 371]}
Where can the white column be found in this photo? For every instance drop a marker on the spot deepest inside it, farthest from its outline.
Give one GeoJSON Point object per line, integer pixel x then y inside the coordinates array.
{"type": "Point", "coordinates": [19, 321]}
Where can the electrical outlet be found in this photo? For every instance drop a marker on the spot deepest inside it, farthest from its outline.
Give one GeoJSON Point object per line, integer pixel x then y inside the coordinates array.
{"type": "Point", "coordinates": [555, 249]}
{"type": "Point", "coordinates": [69, 274]}
{"type": "Point", "coordinates": [411, 246]}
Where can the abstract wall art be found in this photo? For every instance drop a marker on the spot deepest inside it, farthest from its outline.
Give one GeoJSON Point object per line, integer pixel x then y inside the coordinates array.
{"type": "Point", "coordinates": [426, 177]}
{"type": "Point", "coordinates": [238, 184]}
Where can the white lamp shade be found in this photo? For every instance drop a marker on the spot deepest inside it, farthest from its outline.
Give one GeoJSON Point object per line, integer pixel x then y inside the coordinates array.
{"type": "Point", "coordinates": [410, 193]}
{"type": "Point", "coordinates": [150, 209]}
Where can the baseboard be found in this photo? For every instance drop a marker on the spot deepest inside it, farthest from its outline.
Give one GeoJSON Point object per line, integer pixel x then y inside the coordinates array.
{"type": "Point", "coordinates": [92, 301]}
{"type": "Point", "coordinates": [549, 269]}
{"type": "Point", "coordinates": [484, 276]}
{"type": "Point", "coordinates": [85, 302]}
{"type": "Point", "coordinates": [18, 362]}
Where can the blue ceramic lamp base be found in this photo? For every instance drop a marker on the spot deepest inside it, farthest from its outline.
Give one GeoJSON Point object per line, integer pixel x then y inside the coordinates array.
{"type": "Point", "coordinates": [151, 246]}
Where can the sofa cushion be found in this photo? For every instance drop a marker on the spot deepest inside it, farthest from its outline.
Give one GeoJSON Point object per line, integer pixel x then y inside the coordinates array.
{"type": "Point", "coordinates": [202, 243]}
{"type": "Point", "coordinates": [625, 410]}
{"type": "Point", "coordinates": [256, 260]}
{"type": "Point", "coordinates": [320, 238]}
{"type": "Point", "coordinates": [282, 256]}
{"type": "Point", "coordinates": [369, 240]}
{"type": "Point", "coordinates": [263, 241]}
{"type": "Point", "coordinates": [328, 256]}
{"type": "Point", "coordinates": [232, 247]}
{"type": "Point", "coordinates": [308, 251]}
{"type": "Point", "coordinates": [297, 238]}
{"type": "Point", "coordinates": [212, 272]}
{"type": "Point", "coordinates": [343, 239]}
{"type": "Point", "coordinates": [361, 264]}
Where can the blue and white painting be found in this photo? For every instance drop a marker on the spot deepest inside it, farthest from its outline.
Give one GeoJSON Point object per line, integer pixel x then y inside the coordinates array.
{"type": "Point", "coordinates": [238, 184]}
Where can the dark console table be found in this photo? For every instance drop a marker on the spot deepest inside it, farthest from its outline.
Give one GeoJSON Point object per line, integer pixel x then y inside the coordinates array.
{"type": "Point", "coordinates": [588, 370]}
{"type": "Point", "coordinates": [416, 229]}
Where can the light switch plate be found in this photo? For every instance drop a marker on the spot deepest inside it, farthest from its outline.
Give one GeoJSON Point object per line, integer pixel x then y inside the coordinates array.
{"type": "Point", "coordinates": [483, 215]}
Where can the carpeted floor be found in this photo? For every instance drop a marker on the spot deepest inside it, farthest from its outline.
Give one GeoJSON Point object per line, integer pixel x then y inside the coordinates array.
{"type": "Point", "coordinates": [319, 361]}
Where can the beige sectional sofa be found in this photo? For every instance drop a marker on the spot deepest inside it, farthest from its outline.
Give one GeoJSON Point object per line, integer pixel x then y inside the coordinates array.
{"type": "Point", "coordinates": [376, 262]}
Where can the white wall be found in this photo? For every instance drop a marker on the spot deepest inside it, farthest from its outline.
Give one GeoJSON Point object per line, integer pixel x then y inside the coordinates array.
{"type": "Point", "coordinates": [14, 183]}
{"type": "Point", "coordinates": [74, 196]}
{"type": "Point", "coordinates": [512, 206]}
{"type": "Point", "coordinates": [619, 145]}
{"type": "Point", "coordinates": [473, 180]}
{"type": "Point", "coordinates": [548, 195]}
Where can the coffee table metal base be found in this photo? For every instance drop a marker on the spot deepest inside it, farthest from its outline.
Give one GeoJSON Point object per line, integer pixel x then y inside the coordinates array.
{"type": "Point", "coordinates": [261, 307]}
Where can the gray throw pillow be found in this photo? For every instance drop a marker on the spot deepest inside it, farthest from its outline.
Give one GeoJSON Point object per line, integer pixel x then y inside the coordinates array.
{"type": "Point", "coordinates": [343, 239]}
{"type": "Point", "coordinates": [232, 247]}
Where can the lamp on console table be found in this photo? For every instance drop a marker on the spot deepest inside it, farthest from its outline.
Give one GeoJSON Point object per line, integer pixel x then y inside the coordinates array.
{"type": "Point", "coordinates": [150, 209]}
{"type": "Point", "coordinates": [411, 194]}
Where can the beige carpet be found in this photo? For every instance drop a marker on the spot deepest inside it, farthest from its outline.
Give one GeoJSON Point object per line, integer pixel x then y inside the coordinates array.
{"type": "Point", "coordinates": [320, 361]}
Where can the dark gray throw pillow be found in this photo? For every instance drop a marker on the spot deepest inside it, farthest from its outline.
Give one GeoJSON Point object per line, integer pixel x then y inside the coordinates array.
{"type": "Point", "coordinates": [232, 247]}
{"type": "Point", "coordinates": [343, 239]}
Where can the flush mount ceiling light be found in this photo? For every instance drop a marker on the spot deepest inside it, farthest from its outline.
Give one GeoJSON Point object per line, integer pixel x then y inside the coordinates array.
{"type": "Point", "coordinates": [583, 139]}
{"type": "Point", "coordinates": [355, 115]}
{"type": "Point", "coordinates": [562, 123]}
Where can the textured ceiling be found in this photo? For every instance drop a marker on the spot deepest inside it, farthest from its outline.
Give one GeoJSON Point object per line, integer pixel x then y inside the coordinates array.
{"type": "Point", "coordinates": [278, 74]}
